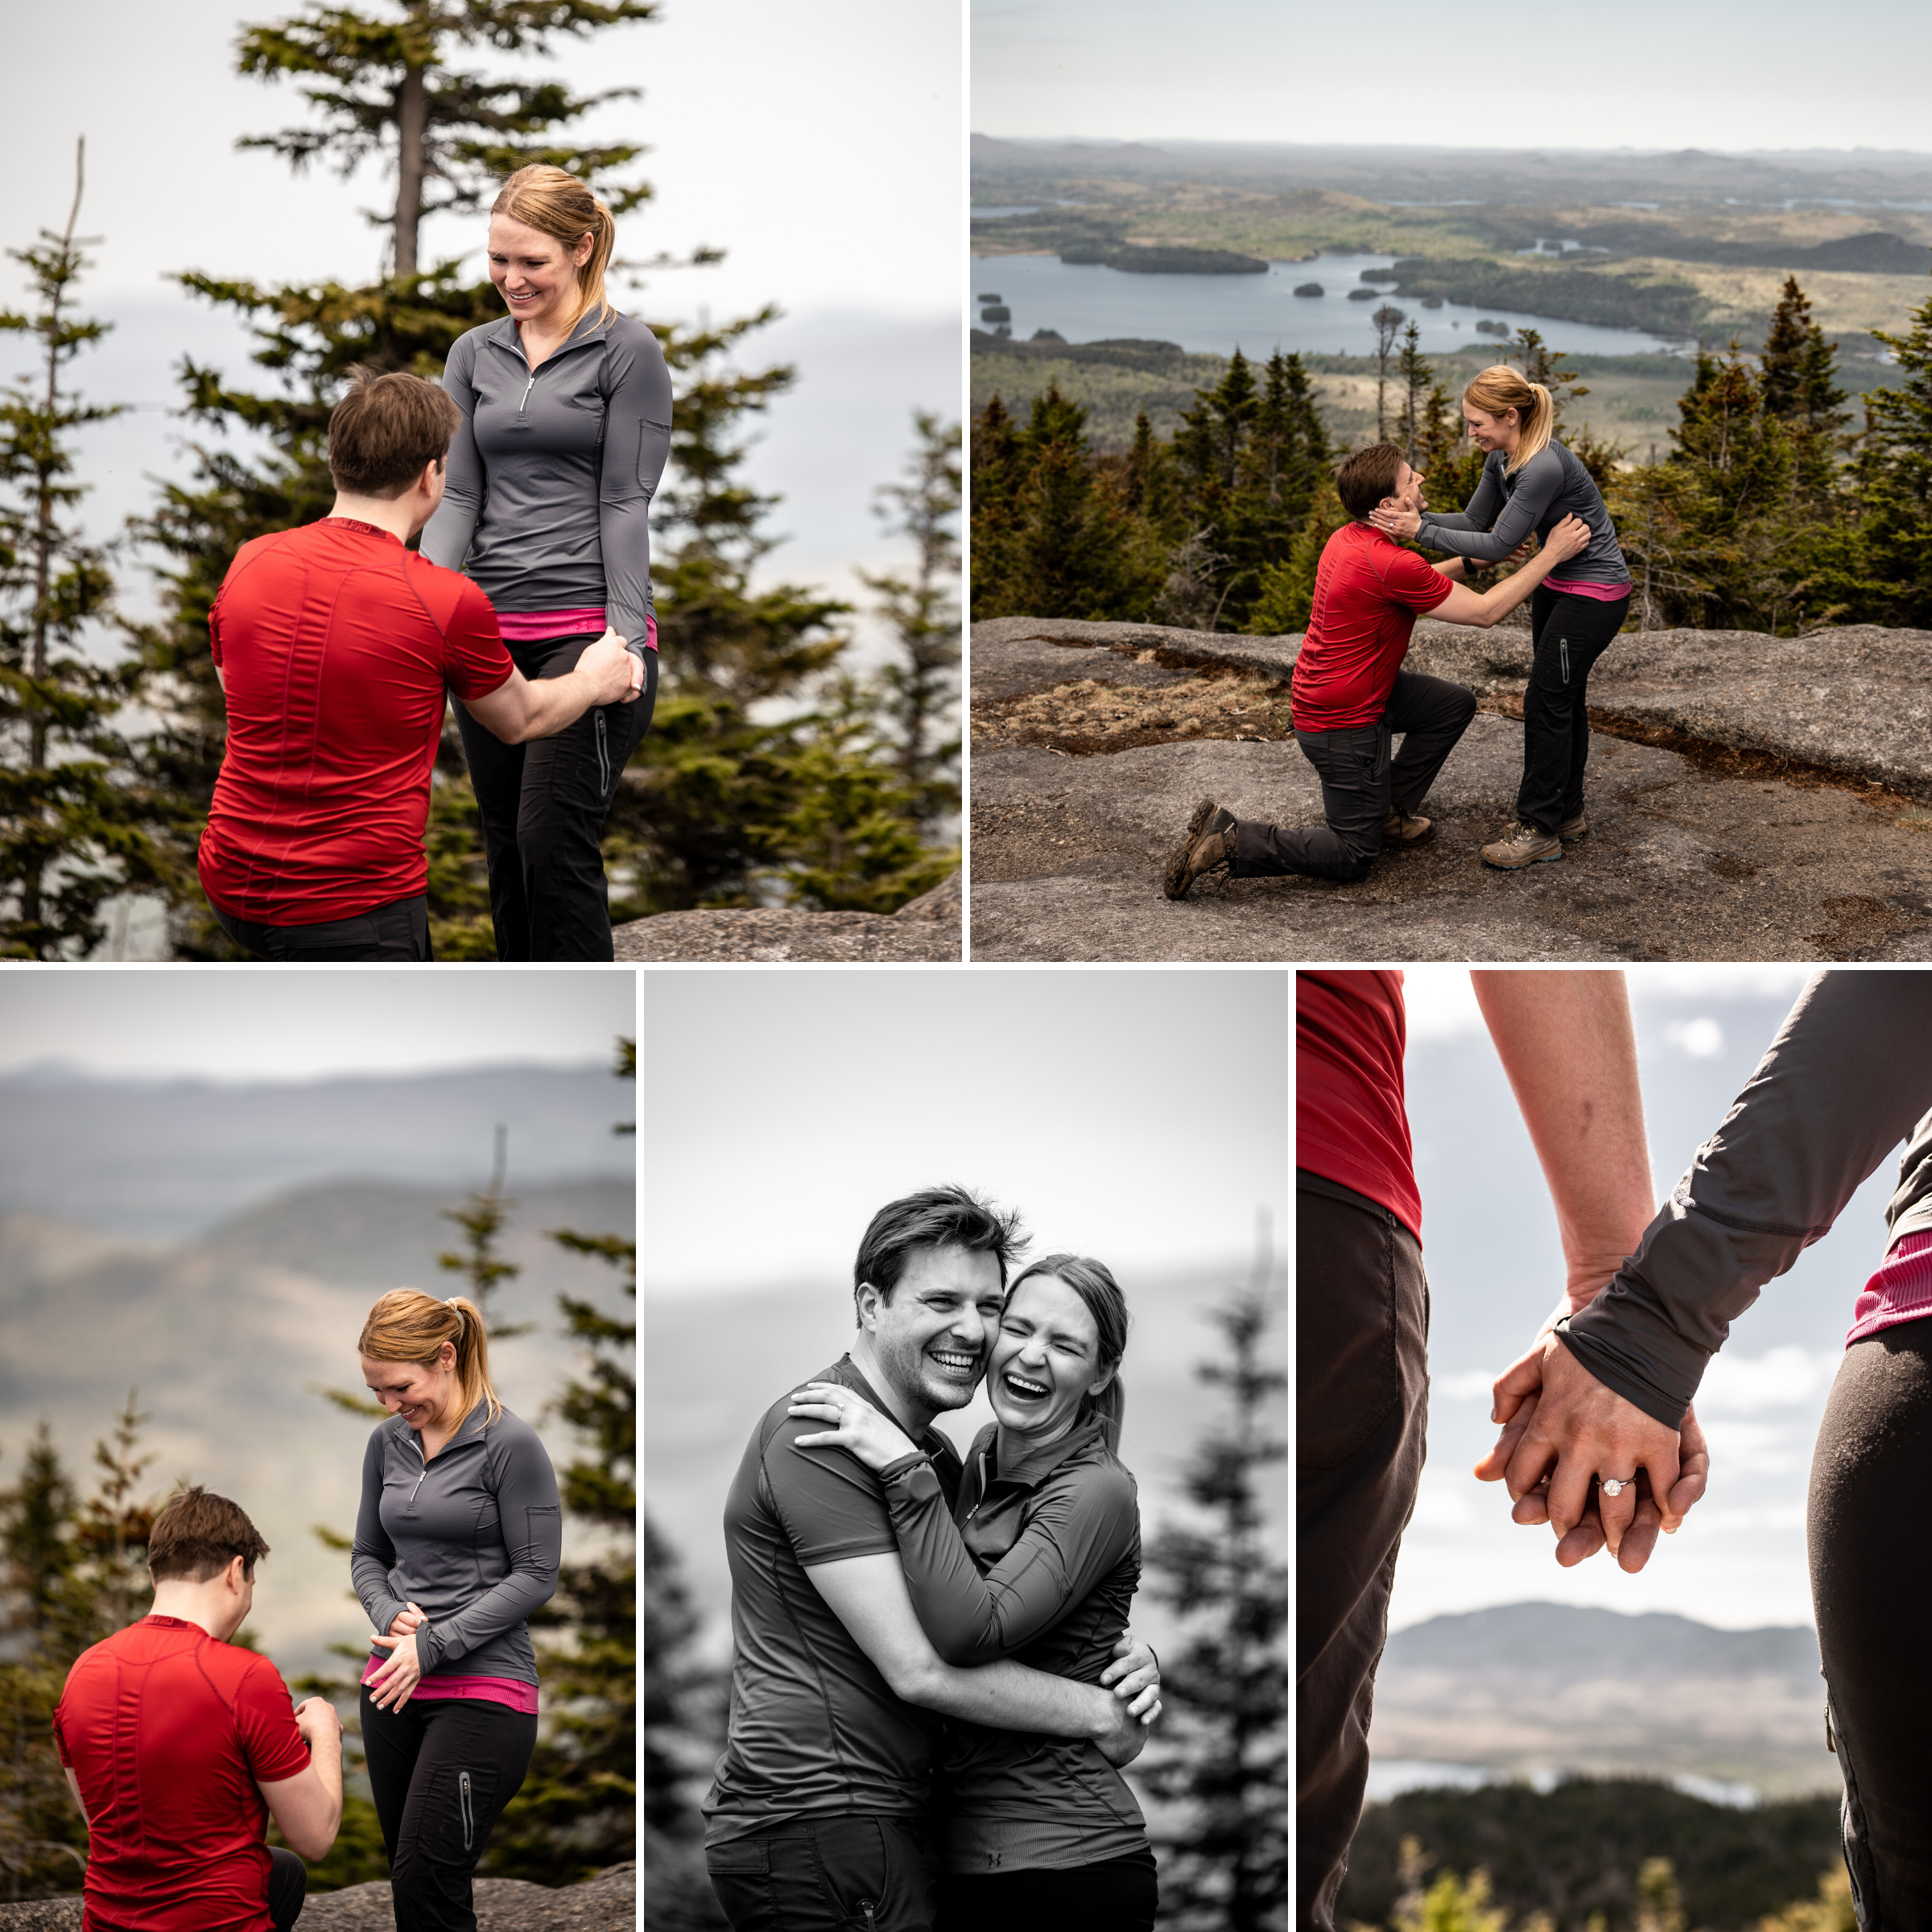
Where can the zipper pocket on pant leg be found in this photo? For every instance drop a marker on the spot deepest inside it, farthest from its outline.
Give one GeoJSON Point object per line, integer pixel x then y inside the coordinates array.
{"type": "Point", "coordinates": [603, 735]}
{"type": "Point", "coordinates": [1562, 652]}
{"type": "Point", "coordinates": [469, 1815]}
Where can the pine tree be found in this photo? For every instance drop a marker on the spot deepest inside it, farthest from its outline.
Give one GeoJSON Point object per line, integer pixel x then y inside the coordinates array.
{"type": "Point", "coordinates": [684, 1709]}
{"type": "Point", "coordinates": [1893, 477]}
{"type": "Point", "coordinates": [999, 467]}
{"type": "Point", "coordinates": [1069, 549]}
{"type": "Point", "coordinates": [72, 828]}
{"type": "Point", "coordinates": [1226, 1763]}
{"type": "Point", "coordinates": [1797, 367]}
{"type": "Point", "coordinates": [1388, 320]}
{"type": "Point", "coordinates": [1419, 387]}
{"type": "Point", "coordinates": [921, 689]}
{"type": "Point", "coordinates": [386, 87]}
{"type": "Point", "coordinates": [482, 1217]}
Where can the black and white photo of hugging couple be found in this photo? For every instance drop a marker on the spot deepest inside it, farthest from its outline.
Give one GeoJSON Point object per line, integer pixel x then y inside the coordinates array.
{"type": "Point", "coordinates": [901, 1615]}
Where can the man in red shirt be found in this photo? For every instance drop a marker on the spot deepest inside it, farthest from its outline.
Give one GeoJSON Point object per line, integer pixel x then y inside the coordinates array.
{"type": "Point", "coordinates": [179, 1747]}
{"type": "Point", "coordinates": [334, 644]}
{"type": "Point", "coordinates": [1351, 696]}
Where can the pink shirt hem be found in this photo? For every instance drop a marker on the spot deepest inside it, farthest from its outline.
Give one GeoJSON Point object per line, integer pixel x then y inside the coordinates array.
{"type": "Point", "coordinates": [1605, 593]}
{"type": "Point", "coordinates": [510, 1690]}
{"type": "Point", "coordinates": [533, 626]}
{"type": "Point", "coordinates": [1900, 1291]}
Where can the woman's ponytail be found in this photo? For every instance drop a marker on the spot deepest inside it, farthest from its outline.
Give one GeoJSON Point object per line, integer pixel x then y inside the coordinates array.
{"type": "Point", "coordinates": [408, 1326]}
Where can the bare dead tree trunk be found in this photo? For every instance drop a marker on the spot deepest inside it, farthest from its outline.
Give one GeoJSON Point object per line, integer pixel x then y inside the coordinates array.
{"type": "Point", "coordinates": [412, 128]}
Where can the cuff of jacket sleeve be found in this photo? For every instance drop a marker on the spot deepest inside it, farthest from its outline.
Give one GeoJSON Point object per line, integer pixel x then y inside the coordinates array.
{"type": "Point", "coordinates": [429, 1645]}
{"type": "Point", "coordinates": [385, 1612]}
{"type": "Point", "coordinates": [1617, 1372]}
{"type": "Point", "coordinates": [913, 1476]}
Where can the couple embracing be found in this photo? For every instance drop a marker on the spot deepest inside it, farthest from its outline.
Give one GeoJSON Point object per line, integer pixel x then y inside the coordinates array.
{"type": "Point", "coordinates": [932, 1679]}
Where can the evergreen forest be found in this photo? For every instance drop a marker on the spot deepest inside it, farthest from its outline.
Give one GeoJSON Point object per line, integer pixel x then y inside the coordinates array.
{"type": "Point", "coordinates": [1774, 510]}
{"type": "Point", "coordinates": [774, 772]}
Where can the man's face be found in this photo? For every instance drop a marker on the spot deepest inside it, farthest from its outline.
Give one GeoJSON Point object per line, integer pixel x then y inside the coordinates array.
{"type": "Point", "coordinates": [932, 1337]}
{"type": "Point", "coordinates": [1408, 489]}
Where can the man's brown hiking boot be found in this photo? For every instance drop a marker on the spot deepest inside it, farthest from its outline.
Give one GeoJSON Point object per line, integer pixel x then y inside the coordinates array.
{"type": "Point", "coordinates": [1522, 844]}
{"type": "Point", "coordinates": [1206, 848]}
{"type": "Point", "coordinates": [1399, 829]}
{"type": "Point", "coordinates": [1572, 829]}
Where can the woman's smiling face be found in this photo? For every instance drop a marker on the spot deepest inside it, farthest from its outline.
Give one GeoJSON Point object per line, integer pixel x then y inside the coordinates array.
{"type": "Point", "coordinates": [419, 1391]}
{"type": "Point", "coordinates": [534, 273]}
{"type": "Point", "coordinates": [1046, 1357]}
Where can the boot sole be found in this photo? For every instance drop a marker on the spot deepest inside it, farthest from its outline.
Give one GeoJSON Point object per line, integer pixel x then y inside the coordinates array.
{"type": "Point", "coordinates": [1542, 858]}
{"type": "Point", "coordinates": [1175, 881]}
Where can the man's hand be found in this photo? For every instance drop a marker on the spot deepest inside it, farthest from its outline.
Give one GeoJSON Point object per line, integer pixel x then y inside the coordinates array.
{"type": "Point", "coordinates": [1135, 1674]}
{"type": "Point", "coordinates": [318, 1722]}
{"type": "Point", "coordinates": [1570, 538]}
{"type": "Point", "coordinates": [1123, 1743]}
{"type": "Point", "coordinates": [618, 675]}
{"type": "Point", "coordinates": [1563, 1429]}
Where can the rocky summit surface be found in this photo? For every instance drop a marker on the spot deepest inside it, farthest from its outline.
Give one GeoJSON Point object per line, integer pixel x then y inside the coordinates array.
{"type": "Point", "coordinates": [607, 1903]}
{"type": "Point", "coordinates": [925, 928]}
{"type": "Point", "coordinates": [1749, 797]}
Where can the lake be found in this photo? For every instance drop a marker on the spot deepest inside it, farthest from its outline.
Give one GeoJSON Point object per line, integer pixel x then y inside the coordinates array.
{"type": "Point", "coordinates": [1212, 315]}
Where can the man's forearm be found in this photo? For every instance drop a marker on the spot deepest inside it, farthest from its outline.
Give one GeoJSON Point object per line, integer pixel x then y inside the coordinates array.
{"type": "Point", "coordinates": [1502, 598]}
{"type": "Point", "coordinates": [1007, 1696]}
{"type": "Point", "coordinates": [1566, 1043]}
{"type": "Point", "coordinates": [555, 703]}
{"type": "Point", "coordinates": [325, 1760]}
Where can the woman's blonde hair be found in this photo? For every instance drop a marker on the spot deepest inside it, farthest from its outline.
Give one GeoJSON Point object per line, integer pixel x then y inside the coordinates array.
{"type": "Point", "coordinates": [1499, 388]}
{"type": "Point", "coordinates": [408, 1326]}
{"type": "Point", "coordinates": [558, 204]}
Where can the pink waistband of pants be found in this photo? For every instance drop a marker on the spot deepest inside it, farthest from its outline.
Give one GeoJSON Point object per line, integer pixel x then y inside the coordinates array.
{"type": "Point", "coordinates": [510, 1690]}
{"type": "Point", "coordinates": [1579, 587]}
{"type": "Point", "coordinates": [533, 626]}
{"type": "Point", "coordinates": [1900, 1291]}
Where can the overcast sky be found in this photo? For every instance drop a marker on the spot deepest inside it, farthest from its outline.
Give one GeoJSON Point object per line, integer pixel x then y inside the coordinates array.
{"type": "Point", "coordinates": [1644, 73]}
{"type": "Point", "coordinates": [242, 1023]}
{"type": "Point", "coordinates": [1494, 1260]}
{"type": "Point", "coordinates": [819, 146]}
{"type": "Point", "coordinates": [780, 1110]}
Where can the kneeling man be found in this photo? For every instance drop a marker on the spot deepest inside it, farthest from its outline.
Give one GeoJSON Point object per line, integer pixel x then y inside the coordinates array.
{"type": "Point", "coordinates": [179, 1747]}
{"type": "Point", "coordinates": [334, 644]}
{"type": "Point", "coordinates": [1350, 698]}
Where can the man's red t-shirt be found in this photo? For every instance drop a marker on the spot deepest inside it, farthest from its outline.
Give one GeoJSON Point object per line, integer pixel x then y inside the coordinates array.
{"type": "Point", "coordinates": [167, 1732]}
{"type": "Point", "coordinates": [1351, 1121]}
{"type": "Point", "coordinates": [1369, 591]}
{"type": "Point", "coordinates": [335, 645]}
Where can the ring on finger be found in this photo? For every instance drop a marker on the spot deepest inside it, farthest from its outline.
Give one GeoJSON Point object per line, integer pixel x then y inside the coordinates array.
{"type": "Point", "coordinates": [1613, 1485]}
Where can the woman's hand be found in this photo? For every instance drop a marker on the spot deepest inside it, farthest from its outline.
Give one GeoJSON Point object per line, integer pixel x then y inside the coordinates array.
{"type": "Point", "coordinates": [874, 1437]}
{"type": "Point", "coordinates": [1135, 1674]}
{"type": "Point", "coordinates": [390, 1688]}
{"type": "Point", "coordinates": [407, 1621]}
{"type": "Point", "coordinates": [1396, 519]}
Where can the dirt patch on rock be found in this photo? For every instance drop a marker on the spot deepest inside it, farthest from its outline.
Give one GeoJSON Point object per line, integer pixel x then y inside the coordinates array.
{"type": "Point", "coordinates": [1094, 715]}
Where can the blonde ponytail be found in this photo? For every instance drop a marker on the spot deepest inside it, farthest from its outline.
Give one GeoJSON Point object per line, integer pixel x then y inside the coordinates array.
{"type": "Point", "coordinates": [408, 1326]}
{"type": "Point", "coordinates": [1499, 388]}
{"type": "Point", "coordinates": [557, 204]}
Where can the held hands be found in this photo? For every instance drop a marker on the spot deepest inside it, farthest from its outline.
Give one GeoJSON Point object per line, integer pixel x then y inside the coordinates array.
{"type": "Point", "coordinates": [872, 1436]}
{"type": "Point", "coordinates": [1563, 1431]}
{"type": "Point", "coordinates": [1135, 1674]}
{"type": "Point", "coordinates": [616, 671]}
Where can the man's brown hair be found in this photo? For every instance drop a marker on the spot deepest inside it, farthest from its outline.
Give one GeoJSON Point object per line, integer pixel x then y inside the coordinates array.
{"type": "Point", "coordinates": [383, 432]}
{"type": "Point", "coordinates": [1366, 476]}
{"type": "Point", "coordinates": [197, 1535]}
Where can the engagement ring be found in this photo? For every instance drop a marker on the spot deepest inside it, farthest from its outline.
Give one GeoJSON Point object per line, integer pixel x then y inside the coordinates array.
{"type": "Point", "coordinates": [1613, 1486]}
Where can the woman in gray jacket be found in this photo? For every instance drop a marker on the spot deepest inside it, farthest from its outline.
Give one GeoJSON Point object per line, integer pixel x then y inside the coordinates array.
{"type": "Point", "coordinates": [458, 1539]}
{"type": "Point", "coordinates": [565, 426]}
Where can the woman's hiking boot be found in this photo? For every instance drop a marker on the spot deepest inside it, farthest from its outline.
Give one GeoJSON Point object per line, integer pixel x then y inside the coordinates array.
{"type": "Point", "coordinates": [1522, 844]}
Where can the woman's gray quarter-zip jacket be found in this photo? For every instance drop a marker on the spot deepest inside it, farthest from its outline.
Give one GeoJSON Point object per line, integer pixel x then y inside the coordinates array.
{"type": "Point", "coordinates": [552, 470]}
{"type": "Point", "coordinates": [474, 1538]}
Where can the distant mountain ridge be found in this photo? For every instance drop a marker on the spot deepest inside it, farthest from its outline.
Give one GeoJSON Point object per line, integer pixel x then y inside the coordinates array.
{"type": "Point", "coordinates": [168, 1159]}
{"type": "Point", "coordinates": [1540, 1686]}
